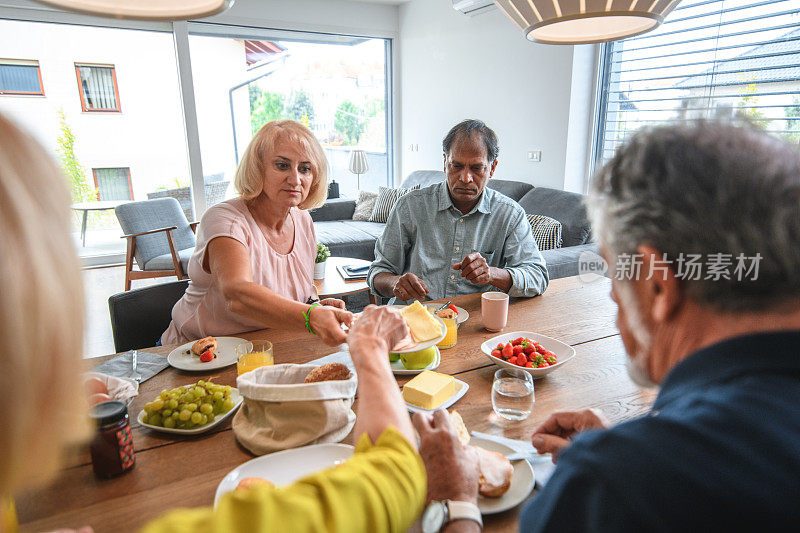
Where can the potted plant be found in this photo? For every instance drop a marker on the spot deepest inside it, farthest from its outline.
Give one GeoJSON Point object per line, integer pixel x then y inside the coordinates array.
{"type": "Point", "coordinates": [323, 253]}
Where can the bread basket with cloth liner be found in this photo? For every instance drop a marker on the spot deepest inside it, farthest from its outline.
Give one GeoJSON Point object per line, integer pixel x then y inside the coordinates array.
{"type": "Point", "coordinates": [280, 411]}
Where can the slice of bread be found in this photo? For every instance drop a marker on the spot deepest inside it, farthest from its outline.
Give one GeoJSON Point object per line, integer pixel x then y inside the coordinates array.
{"type": "Point", "coordinates": [495, 470]}
{"type": "Point", "coordinates": [461, 428]}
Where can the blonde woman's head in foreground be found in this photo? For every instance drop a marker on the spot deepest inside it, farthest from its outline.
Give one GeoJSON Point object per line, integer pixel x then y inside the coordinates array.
{"type": "Point", "coordinates": [41, 315]}
{"type": "Point", "coordinates": [249, 179]}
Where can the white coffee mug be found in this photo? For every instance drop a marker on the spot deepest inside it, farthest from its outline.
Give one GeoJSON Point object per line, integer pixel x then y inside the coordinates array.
{"type": "Point", "coordinates": [494, 309]}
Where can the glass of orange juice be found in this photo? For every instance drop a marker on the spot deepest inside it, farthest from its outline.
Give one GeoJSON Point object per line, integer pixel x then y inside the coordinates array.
{"type": "Point", "coordinates": [253, 354]}
{"type": "Point", "coordinates": [451, 336]}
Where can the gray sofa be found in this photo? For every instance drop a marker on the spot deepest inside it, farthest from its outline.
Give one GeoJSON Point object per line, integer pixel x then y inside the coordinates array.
{"type": "Point", "coordinates": [346, 237]}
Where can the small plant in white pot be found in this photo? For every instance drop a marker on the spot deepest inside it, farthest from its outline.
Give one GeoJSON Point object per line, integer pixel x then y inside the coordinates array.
{"type": "Point", "coordinates": [323, 253]}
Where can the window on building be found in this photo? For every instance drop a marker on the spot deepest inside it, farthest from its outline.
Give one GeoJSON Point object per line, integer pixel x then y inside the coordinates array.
{"type": "Point", "coordinates": [113, 183]}
{"type": "Point", "coordinates": [97, 85]}
{"type": "Point", "coordinates": [19, 76]}
{"type": "Point", "coordinates": [710, 59]}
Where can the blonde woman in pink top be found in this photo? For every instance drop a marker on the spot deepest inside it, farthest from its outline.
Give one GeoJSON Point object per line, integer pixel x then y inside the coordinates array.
{"type": "Point", "coordinates": [253, 264]}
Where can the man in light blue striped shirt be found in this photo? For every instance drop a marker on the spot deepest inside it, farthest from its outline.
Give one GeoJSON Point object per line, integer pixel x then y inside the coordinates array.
{"type": "Point", "coordinates": [458, 237]}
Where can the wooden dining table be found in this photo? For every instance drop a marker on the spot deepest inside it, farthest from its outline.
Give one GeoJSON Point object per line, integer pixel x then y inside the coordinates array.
{"type": "Point", "coordinates": [184, 471]}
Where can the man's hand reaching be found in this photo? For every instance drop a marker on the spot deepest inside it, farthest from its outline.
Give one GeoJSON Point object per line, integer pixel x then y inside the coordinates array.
{"type": "Point", "coordinates": [554, 435]}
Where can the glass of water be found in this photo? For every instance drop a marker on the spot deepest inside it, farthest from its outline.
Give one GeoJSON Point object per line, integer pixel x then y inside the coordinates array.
{"type": "Point", "coordinates": [512, 394]}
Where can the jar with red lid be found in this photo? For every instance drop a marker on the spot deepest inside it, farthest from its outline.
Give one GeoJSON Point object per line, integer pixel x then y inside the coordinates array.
{"type": "Point", "coordinates": [112, 447]}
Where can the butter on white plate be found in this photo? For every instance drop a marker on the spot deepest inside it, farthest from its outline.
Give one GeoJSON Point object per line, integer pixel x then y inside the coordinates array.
{"type": "Point", "coordinates": [431, 390]}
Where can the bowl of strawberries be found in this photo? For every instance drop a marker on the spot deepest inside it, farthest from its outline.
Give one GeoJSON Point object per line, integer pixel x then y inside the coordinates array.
{"type": "Point", "coordinates": [529, 351]}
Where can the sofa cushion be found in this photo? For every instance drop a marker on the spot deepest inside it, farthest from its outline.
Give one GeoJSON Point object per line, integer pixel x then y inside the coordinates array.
{"type": "Point", "coordinates": [345, 238]}
{"type": "Point", "coordinates": [364, 205]}
{"type": "Point", "coordinates": [513, 189]}
{"type": "Point", "coordinates": [423, 178]}
{"type": "Point", "coordinates": [546, 231]}
{"type": "Point", "coordinates": [336, 209]}
{"type": "Point", "coordinates": [566, 207]}
{"type": "Point", "coordinates": [371, 228]}
{"type": "Point", "coordinates": [385, 202]}
{"type": "Point", "coordinates": [563, 262]}
{"type": "Point", "coordinates": [164, 262]}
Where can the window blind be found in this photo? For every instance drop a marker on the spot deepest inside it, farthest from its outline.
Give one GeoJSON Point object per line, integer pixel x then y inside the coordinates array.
{"type": "Point", "coordinates": [98, 86]}
{"type": "Point", "coordinates": [710, 59]}
{"type": "Point", "coordinates": [18, 77]}
{"type": "Point", "coordinates": [113, 183]}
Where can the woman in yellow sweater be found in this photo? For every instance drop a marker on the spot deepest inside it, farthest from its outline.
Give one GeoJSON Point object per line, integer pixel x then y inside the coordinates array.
{"type": "Point", "coordinates": [381, 488]}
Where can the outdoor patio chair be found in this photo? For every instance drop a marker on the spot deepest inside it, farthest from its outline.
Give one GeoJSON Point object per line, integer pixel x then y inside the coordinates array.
{"type": "Point", "coordinates": [159, 238]}
{"type": "Point", "coordinates": [140, 316]}
{"type": "Point", "coordinates": [215, 189]}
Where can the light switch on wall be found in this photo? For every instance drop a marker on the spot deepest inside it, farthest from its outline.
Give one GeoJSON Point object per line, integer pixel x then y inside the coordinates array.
{"type": "Point", "coordinates": [534, 156]}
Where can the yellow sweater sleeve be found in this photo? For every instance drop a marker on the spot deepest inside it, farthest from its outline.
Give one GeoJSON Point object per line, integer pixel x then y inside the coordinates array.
{"type": "Point", "coordinates": [9, 515]}
{"type": "Point", "coordinates": [381, 488]}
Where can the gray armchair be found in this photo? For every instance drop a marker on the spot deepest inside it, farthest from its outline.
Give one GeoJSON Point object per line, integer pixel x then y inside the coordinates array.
{"type": "Point", "coordinates": [159, 237]}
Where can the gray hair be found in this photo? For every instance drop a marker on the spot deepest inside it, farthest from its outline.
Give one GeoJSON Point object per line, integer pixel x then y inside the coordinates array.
{"type": "Point", "coordinates": [467, 128]}
{"type": "Point", "coordinates": [707, 188]}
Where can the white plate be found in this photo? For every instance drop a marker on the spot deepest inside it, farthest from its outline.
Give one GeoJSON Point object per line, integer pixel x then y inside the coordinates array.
{"type": "Point", "coordinates": [461, 390]}
{"type": "Point", "coordinates": [400, 370]}
{"type": "Point", "coordinates": [237, 398]}
{"type": "Point", "coordinates": [462, 317]}
{"type": "Point", "coordinates": [287, 466]}
{"type": "Point", "coordinates": [521, 482]}
{"type": "Point", "coordinates": [226, 355]}
{"type": "Point", "coordinates": [427, 344]}
{"type": "Point", "coordinates": [564, 352]}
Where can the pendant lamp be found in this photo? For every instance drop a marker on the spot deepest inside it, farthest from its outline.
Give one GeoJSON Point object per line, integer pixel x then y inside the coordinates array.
{"type": "Point", "coordinates": [144, 9]}
{"type": "Point", "coordinates": [585, 21]}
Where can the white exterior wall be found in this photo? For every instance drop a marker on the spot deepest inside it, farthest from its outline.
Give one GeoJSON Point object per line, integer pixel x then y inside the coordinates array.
{"type": "Point", "coordinates": [147, 135]}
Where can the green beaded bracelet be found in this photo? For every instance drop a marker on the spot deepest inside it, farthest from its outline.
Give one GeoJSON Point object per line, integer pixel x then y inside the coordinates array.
{"type": "Point", "coordinates": [307, 316]}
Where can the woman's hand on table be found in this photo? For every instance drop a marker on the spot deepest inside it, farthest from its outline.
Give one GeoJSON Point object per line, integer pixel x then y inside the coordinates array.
{"type": "Point", "coordinates": [452, 468]}
{"type": "Point", "coordinates": [326, 321]}
{"type": "Point", "coordinates": [558, 430]}
{"type": "Point", "coordinates": [333, 302]}
{"type": "Point", "coordinates": [376, 326]}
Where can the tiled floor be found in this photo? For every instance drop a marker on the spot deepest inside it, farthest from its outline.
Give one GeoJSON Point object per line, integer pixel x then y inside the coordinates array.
{"type": "Point", "coordinates": [100, 283]}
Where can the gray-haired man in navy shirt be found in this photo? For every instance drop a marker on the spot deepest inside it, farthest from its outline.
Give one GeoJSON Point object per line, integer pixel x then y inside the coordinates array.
{"type": "Point", "coordinates": [720, 448]}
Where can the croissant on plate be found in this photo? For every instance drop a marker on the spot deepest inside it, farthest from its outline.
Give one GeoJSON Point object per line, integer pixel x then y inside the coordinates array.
{"type": "Point", "coordinates": [204, 344]}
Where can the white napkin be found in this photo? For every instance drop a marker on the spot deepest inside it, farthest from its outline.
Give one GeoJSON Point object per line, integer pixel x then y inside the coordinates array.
{"type": "Point", "coordinates": [119, 389]}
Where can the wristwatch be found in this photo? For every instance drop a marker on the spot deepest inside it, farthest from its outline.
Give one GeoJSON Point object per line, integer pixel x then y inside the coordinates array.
{"type": "Point", "coordinates": [439, 513]}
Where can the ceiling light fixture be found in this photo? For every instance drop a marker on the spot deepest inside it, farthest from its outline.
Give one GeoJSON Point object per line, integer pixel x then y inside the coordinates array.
{"type": "Point", "coordinates": [144, 9]}
{"type": "Point", "coordinates": [585, 21]}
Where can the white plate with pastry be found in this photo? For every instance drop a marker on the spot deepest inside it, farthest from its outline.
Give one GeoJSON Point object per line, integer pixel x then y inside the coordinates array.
{"type": "Point", "coordinates": [285, 467]}
{"type": "Point", "coordinates": [183, 358]}
{"type": "Point", "coordinates": [520, 485]}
